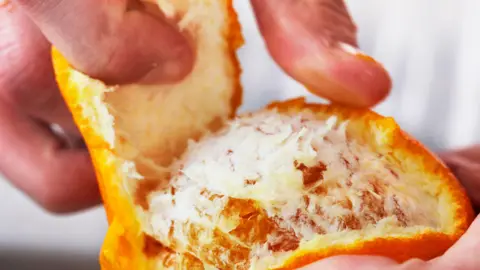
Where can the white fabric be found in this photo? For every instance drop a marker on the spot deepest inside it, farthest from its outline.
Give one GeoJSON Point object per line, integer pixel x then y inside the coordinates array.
{"type": "Point", "coordinates": [431, 48]}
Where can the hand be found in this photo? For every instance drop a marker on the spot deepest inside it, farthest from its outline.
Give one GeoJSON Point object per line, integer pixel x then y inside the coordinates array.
{"type": "Point", "coordinates": [314, 41]}
{"type": "Point", "coordinates": [100, 38]}
{"type": "Point", "coordinates": [112, 41]}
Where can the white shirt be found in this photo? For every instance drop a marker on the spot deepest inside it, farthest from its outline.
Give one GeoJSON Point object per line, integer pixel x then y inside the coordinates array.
{"type": "Point", "coordinates": [431, 49]}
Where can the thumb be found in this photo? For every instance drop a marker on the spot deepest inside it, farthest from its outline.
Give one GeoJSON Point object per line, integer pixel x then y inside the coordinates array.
{"type": "Point", "coordinates": [314, 41]}
{"type": "Point", "coordinates": [353, 262]}
{"type": "Point", "coordinates": [464, 254]}
{"type": "Point", "coordinates": [363, 262]}
{"type": "Point", "coordinates": [117, 41]}
{"type": "Point", "coordinates": [465, 164]}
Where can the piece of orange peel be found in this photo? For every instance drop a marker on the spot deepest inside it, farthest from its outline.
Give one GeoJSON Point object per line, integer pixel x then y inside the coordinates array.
{"type": "Point", "coordinates": [275, 189]}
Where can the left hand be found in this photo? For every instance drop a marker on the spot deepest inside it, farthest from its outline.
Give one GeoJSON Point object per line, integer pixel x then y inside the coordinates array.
{"type": "Point", "coordinates": [465, 163]}
{"type": "Point", "coordinates": [312, 40]}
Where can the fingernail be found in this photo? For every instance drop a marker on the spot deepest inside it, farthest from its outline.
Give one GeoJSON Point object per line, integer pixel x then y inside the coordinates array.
{"type": "Point", "coordinates": [346, 77]}
{"type": "Point", "coordinates": [348, 48]}
{"type": "Point", "coordinates": [361, 74]}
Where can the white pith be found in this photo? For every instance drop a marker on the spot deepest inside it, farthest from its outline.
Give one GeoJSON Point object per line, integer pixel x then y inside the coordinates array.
{"type": "Point", "coordinates": [264, 147]}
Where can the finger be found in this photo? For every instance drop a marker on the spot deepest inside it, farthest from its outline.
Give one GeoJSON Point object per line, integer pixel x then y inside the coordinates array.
{"type": "Point", "coordinates": [464, 254]}
{"type": "Point", "coordinates": [314, 41]}
{"type": "Point", "coordinates": [352, 262]}
{"type": "Point", "coordinates": [367, 263]}
{"type": "Point", "coordinates": [465, 164]}
{"type": "Point", "coordinates": [111, 41]}
{"type": "Point", "coordinates": [26, 78]}
{"type": "Point", "coordinates": [472, 152]}
{"type": "Point", "coordinates": [61, 180]}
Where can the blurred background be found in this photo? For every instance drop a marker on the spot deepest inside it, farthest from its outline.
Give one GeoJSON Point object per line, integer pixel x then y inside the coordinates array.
{"type": "Point", "coordinates": [431, 49]}
{"type": "Point", "coordinates": [32, 239]}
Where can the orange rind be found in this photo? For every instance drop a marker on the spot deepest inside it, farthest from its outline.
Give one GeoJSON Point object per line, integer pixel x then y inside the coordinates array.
{"type": "Point", "coordinates": [188, 184]}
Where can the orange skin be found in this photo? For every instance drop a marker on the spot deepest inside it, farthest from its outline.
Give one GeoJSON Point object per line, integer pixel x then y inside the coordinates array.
{"type": "Point", "coordinates": [23, 112]}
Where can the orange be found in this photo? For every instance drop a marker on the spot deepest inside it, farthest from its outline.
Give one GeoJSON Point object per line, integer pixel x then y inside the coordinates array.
{"type": "Point", "coordinates": [187, 184]}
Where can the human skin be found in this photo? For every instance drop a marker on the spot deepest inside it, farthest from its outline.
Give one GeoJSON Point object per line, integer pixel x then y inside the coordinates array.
{"type": "Point", "coordinates": [114, 32]}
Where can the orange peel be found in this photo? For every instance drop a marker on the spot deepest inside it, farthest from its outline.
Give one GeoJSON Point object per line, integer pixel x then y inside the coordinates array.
{"type": "Point", "coordinates": [174, 200]}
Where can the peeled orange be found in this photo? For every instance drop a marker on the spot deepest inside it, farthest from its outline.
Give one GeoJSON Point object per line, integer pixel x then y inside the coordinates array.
{"type": "Point", "coordinates": [188, 184]}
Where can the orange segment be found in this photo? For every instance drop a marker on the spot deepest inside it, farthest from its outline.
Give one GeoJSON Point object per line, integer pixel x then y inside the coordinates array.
{"type": "Point", "coordinates": [186, 185]}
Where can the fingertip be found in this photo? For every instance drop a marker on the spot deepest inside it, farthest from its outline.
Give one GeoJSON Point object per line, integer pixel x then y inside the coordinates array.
{"type": "Point", "coordinates": [342, 76]}
{"type": "Point", "coordinates": [149, 50]}
{"type": "Point", "coordinates": [358, 262]}
{"type": "Point", "coordinates": [175, 69]}
{"type": "Point", "coordinates": [365, 78]}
